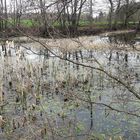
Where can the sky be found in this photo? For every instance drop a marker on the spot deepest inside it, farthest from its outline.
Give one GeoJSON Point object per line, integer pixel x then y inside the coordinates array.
{"type": "Point", "coordinates": [99, 5]}
{"type": "Point", "coordinates": [102, 5]}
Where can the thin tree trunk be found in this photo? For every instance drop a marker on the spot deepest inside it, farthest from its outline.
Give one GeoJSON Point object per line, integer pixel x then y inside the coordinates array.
{"type": "Point", "coordinates": [6, 16]}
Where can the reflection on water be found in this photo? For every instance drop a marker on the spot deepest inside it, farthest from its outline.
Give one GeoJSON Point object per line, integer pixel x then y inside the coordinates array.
{"type": "Point", "coordinates": [45, 97]}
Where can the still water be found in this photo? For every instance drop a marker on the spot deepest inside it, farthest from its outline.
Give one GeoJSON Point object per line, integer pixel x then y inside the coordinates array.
{"type": "Point", "coordinates": [45, 97]}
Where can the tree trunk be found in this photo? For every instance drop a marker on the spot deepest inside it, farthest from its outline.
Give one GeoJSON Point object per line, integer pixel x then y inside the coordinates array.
{"type": "Point", "coordinates": [126, 22]}
{"type": "Point", "coordinates": [91, 12]}
{"type": "Point", "coordinates": [6, 16]}
{"type": "Point", "coordinates": [43, 15]}
{"type": "Point", "coordinates": [110, 14]}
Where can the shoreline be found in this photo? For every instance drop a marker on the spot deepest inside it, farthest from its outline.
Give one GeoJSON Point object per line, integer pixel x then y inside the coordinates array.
{"type": "Point", "coordinates": [25, 39]}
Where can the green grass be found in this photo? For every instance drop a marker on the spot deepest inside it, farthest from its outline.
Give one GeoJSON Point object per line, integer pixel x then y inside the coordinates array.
{"type": "Point", "coordinates": [82, 23]}
{"type": "Point", "coordinates": [85, 23]}
{"type": "Point", "coordinates": [24, 23]}
{"type": "Point", "coordinates": [29, 23]}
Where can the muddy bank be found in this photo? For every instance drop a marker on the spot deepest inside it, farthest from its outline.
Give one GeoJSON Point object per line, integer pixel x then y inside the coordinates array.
{"type": "Point", "coordinates": [23, 39]}
{"type": "Point", "coordinates": [56, 32]}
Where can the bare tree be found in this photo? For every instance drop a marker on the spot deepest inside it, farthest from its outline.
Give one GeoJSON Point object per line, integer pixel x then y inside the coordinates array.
{"type": "Point", "coordinates": [43, 14]}
{"type": "Point", "coordinates": [118, 6]}
{"type": "Point", "coordinates": [129, 8]}
{"type": "Point", "coordinates": [111, 12]}
{"type": "Point", "coordinates": [3, 11]}
{"type": "Point", "coordinates": [69, 13]}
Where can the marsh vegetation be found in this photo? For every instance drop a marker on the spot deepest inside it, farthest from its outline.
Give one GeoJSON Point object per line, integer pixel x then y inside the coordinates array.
{"type": "Point", "coordinates": [71, 90]}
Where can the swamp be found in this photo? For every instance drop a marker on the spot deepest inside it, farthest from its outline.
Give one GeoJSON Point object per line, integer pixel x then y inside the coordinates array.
{"type": "Point", "coordinates": [84, 88]}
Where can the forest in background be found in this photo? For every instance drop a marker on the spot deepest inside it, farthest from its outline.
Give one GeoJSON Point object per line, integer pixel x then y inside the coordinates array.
{"type": "Point", "coordinates": [68, 17]}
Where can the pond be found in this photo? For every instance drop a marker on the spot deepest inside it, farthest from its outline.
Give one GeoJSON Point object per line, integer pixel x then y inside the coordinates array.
{"type": "Point", "coordinates": [70, 94]}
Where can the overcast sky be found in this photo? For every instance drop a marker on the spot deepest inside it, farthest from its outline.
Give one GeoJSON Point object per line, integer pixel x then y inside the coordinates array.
{"type": "Point", "coordinates": [99, 5]}
{"type": "Point", "coordinates": [102, 5]}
